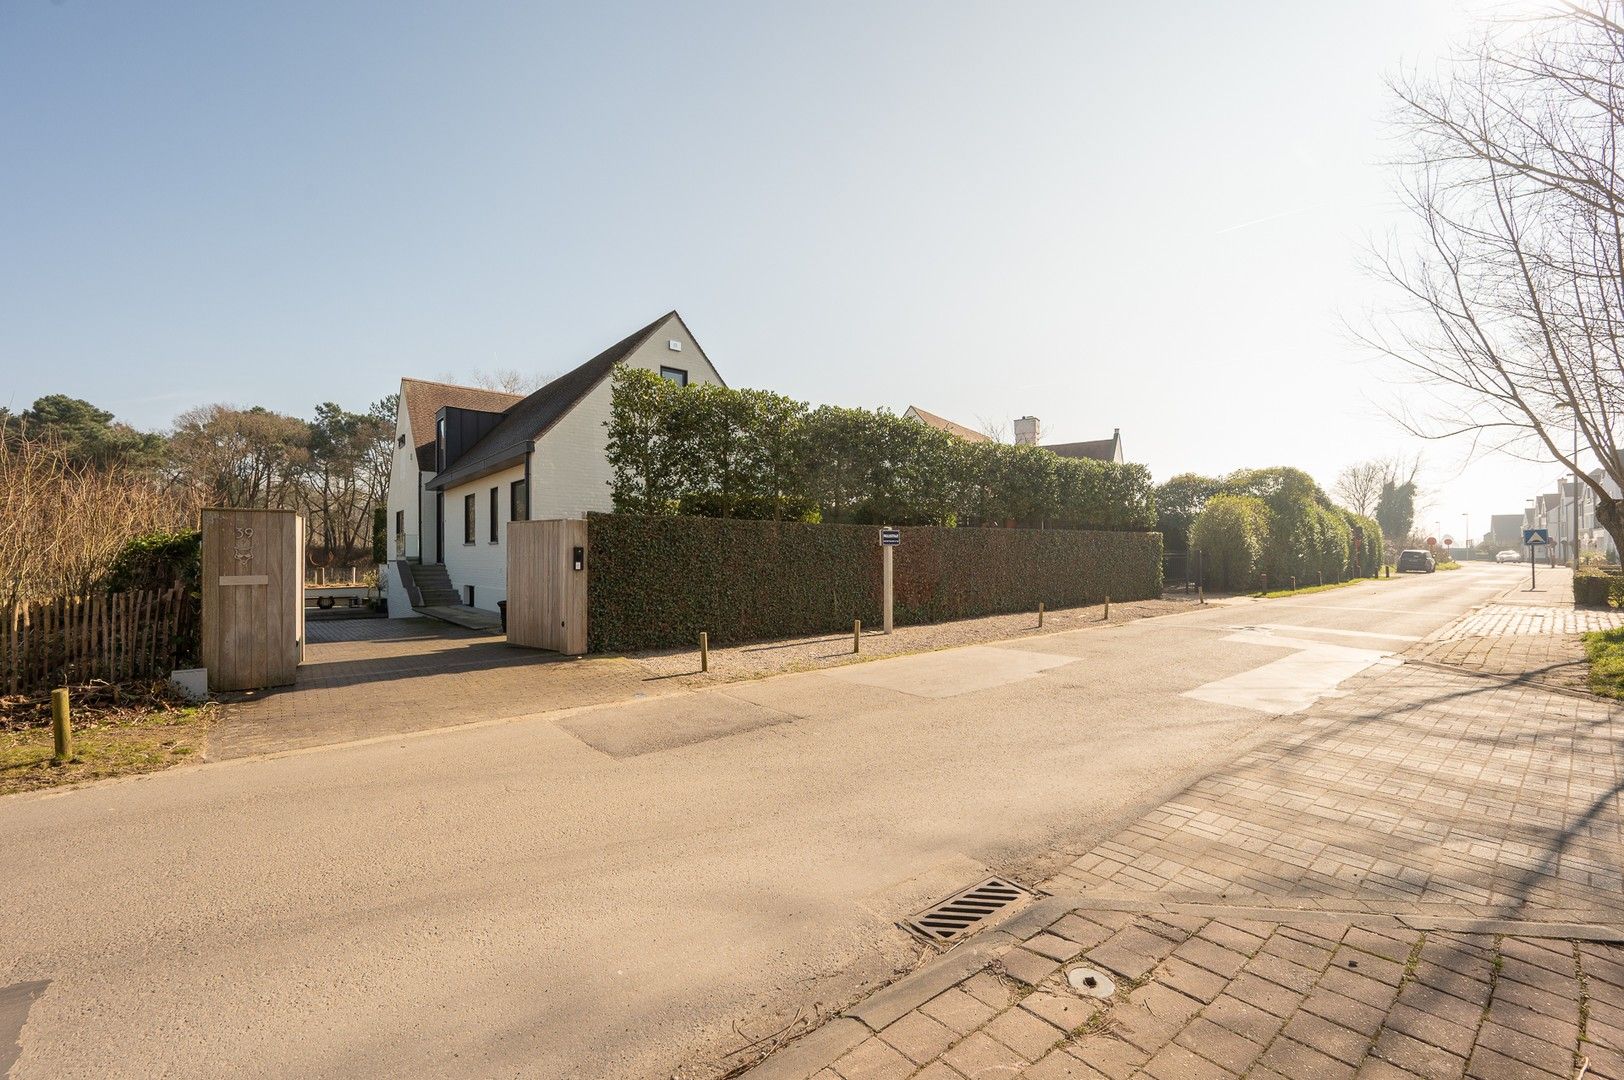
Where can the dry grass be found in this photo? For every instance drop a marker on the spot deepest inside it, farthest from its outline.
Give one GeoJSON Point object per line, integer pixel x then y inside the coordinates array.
{"type": "Point", "coordinates": [117, 731]}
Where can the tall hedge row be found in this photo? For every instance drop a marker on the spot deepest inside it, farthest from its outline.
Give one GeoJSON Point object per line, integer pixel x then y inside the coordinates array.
{"type": "Point", "coordinates": [659, 580]}
{"type": "Point", "coordinates": [1278, 522]}
{"type": "Point", "coordinates": [713, 451]}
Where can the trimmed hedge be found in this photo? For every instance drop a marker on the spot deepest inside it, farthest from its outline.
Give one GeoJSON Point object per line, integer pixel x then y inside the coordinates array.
{"type": "Point", "coordinates": [1597, 588]}
{"type": "Point", "coordinates": [658, 581]}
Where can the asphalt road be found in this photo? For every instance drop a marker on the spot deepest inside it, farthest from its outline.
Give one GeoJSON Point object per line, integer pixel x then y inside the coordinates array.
{"type": "Point", "coordinates": [607, 893]}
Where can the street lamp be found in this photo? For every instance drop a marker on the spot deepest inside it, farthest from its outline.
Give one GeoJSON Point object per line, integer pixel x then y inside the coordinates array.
{"type": "Point", "coordinates": [1468, 540]}
{"type": "Point", "coordinates": [1574, 512]}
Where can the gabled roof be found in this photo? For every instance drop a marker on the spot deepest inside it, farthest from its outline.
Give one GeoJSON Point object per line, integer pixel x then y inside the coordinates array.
{"type": "Point", "coordinates": [944, 424]}
{"type": "Point", "coordinates": [508, 442]}
{"type": "Point", "coordinates": [424, 400]}
{"type": "Point", "coordinates": [1098, 449]}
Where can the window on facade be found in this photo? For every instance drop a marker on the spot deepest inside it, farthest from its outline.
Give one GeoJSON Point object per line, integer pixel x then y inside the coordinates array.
{"type": "Point", "coordinates": [495, 532]}
{"type": "Point", "coordinates": [468, 518]}
{"type": "Point", "coordinates": [400, 521]}
{"type": "Point", "coordinates": [439, 444]}
{"type": "Point", "coordinates": [519, 501]}
{"type": "Point", "coordinates": [675, 374]}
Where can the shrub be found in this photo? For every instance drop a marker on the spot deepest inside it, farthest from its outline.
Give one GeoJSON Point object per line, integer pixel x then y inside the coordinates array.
{"type": "Point", "coordinates": [658, 581]}
{"type": "Point", "coordinates": [1598, 588]}
{"type": "Point", "coordinates": [1232, 534]}
{"type": "Point", "coordinates": [157, 560]}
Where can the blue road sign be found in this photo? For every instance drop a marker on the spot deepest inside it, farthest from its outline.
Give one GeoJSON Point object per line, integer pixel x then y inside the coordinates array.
{"type": "Point", "coordinates": [891, 537]}
{"type": "Point", "coordinates": [1536, 536]}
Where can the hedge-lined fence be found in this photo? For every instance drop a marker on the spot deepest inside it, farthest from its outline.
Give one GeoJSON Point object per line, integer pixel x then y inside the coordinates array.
{"type": "Point", "coordinates": [657, 581]}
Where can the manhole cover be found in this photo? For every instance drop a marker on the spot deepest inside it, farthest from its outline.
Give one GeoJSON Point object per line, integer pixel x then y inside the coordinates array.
{"type": "Point", "coordinates": [1090, 982]}
{"type": "Point", "coordinates": [963, 913]}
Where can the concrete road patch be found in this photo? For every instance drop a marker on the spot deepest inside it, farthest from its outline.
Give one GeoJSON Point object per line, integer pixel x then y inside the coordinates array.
{"type": "Point", "coordinates": [669, 723]}
{"type": "Point", "coordinates": [15, 1001]}
{"type": "Point", "coordinates": [1292, 683]}
{"type": "Point", "coordinates": [952, 672]}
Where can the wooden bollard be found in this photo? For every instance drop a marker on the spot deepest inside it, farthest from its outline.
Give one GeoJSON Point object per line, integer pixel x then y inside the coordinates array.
{"type": "Point", "coordinates": [704, 651]}
{"type": "Point", "coordinates": [1294, 583]}
{"type": "Point", "coordinates": [1200, 594]}
{"type": "Point", "coordinates": [61, 728]}
{"type": "Point", "coordinates": [1040, 613]}
{"type": "Point", "coordinates": [1322, 577]}
{"type": "Point", "coordinates": [1107, 616]}
{"type": "Point", "coordinates": [857, 635]}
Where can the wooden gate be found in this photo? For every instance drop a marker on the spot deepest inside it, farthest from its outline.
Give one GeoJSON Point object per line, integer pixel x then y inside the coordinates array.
{"type": "Point", "coordinates": [546, 585]}
{"type": "Point", "coordinates": [253, 597]}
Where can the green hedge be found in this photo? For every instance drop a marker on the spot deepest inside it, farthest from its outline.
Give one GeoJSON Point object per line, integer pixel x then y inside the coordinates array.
{"type": "Point", "coordinates": [658, 581]}
{"type": "Point", "coordinates": [1597, 588]}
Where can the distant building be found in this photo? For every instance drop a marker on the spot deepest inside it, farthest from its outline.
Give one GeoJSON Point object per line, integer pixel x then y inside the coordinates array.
{"type": "Point", "coordinates": [1505, 531]}
{"type": "Point", "coordinates": [942, 423]}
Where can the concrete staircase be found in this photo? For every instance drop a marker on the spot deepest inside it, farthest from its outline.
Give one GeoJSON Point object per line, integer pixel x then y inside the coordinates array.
{"type": "Point", "coordinates": [428, 585]}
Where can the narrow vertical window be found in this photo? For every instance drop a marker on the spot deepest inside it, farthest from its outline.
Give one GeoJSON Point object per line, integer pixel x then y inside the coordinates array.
{"type": "Point", "coordinates": [495, 515]}
{"type": "Point", "coordinates": [468, 518]}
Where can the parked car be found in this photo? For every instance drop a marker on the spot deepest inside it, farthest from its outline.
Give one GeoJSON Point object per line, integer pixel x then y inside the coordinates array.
{"type": "Point", "coordinates": [1508, 555]}
{"type": "Point", "coordinates": [1416, 561]}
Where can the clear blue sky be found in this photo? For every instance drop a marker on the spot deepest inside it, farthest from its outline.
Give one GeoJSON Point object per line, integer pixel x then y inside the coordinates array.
{"type": "Point", "coordinates": [1135, 216]}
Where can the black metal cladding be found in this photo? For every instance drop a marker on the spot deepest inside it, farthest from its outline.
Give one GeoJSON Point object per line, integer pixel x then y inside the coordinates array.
{"type": "Point", "coordinates": [464, 428]}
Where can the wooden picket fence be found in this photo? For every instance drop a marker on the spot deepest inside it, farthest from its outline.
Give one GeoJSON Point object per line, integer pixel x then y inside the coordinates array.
{"type": "Point", "coordinates": [114, 637]}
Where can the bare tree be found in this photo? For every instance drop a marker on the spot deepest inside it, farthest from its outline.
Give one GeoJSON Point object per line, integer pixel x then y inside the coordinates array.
{"type": "Point", "coordinates": [1513, 285]}
{"type": "Point", "coordinates": [1359, 486]}
{"type": "Point", "coordinates": [993, 428]}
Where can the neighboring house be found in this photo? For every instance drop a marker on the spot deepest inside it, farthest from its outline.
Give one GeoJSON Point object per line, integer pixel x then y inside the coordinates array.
{"type": "Point", "coordinates": [1505, 530]}
{"type": "Point", "coordinates": [468, 461]}
{"type": "Point", "coordinates": [1027, 434]}
{"type": "Point", "coordinates": [914, 412]}
{"type": "Point", "coordinates": [1097, 449]}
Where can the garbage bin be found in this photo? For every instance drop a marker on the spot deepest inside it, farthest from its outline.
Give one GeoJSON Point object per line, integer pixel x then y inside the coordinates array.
{"type": "Point", "coordinates": [501, 605]}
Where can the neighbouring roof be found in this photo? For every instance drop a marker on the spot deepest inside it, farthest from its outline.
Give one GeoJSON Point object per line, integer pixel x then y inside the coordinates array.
{"type": "Point", "coordinates": [944, 424]}
{"type": "Point", "coordinates": [424, 400]}
{"type": "Point", "coordinates": [508, 442]}
{"type": "Point", "coordinates": [1098, 449]}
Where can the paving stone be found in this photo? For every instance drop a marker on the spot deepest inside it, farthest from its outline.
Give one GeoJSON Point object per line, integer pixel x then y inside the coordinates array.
{"type": "Point", "coordinates": [941, 1071]}
{"type": "Point", "coordinates": [982, 1055]}
{"type": "Point", "coordinates": [1028, 967]}
{"type": "Point", "coordinates": [1058, 1065]}
{"type": "Point", "coordinates": [1433, 1029]}
{"type": "Point", "coordinates": [1486, 1064]}
{"type": "Point", "coordinates": [1268, 996]}
{"type": "Point", "coordinates": [1434, 1002]}
{"type": "Point", "coordinates": [1131, 952]}
{"type": "Point", "coordinates": [1067, 1012]}
{"type": "Point", "coordinates": [1354, 1015]}
{"type": "Point", "coordinates": [1192, 981]}
{"type": "Point", "coordinates": [919, 1037]}
{"type": "Point", "coordinates": [1083, 931]}
{"type": "Point", "coordinates": [1277, 969]}
{"type": "Point", "coordinates": [1144, 1028]}
{"type": "Point", "coordinates": [1243, 1018]}
{"type": "Point", "coordinates": [1294, 1059]}
{"type": "Point", "coordinates": [1359, 987]}
{"type": "Point", "coordinates": [1114, 1057]}
{"type": "Point", "coordinates": [1525, 1048]}
{"type": "Point", "coordinates": [1212, 956]}
{"type": "Point", "coordinates": [1220, 1045]}
{"type": "Point", "coordinates": [987, 987]}
{"type": "Point", "coordinates": [873, 1059]}
{"type": "Point", "coordinates": [1313, 956]}
{"type": "Point", "coordinates": [1229, 936]}
{"type": "Point", "coordinates": [1332, 1040]}
{"type": "Point", "coordinates": [1055, 948]}
{"type": "Point", "coordinates": [1023, 1033]}
{"type": "Point", "coordinates": [1176, 1063]}
{"type": "Point", "coordinates": [1417, 1057]}
{"type": "Point", "coordinates": [958, 1010]}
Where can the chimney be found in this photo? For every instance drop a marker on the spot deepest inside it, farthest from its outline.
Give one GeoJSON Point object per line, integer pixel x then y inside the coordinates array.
{"type": "Point", "coordinates": [1026, 431]}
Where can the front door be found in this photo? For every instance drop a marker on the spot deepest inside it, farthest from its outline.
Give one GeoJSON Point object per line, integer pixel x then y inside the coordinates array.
{"type": "Point", "coordinates": [439, 526]}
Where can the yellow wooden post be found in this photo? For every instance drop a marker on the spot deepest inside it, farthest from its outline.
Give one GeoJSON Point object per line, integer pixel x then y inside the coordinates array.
{"type": "Point", "coordinates": [61, 727]}
{"type": "Point", "coordinates": [857, 635]}
{"type": "Point", "coordinates": [1107, 614]}
{"type": "Point", "coordinates": [1040, 614]}
{"type": "Point", "coordinates": [704, 651]}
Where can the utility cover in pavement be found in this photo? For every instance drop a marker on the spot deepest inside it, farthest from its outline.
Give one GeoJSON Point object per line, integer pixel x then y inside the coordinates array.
{"type": "Point", "coordinates": [1090, 983]}
{"type": "Point", "coordinates": [965, 912]}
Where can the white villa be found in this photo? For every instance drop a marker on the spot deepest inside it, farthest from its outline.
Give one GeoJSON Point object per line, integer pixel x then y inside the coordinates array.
{"type": "Point", "coordinates": [468, 461]}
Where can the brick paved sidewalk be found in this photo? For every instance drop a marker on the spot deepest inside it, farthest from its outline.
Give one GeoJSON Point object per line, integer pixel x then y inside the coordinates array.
{"type": "Point", "coordinates": [1422, 880]}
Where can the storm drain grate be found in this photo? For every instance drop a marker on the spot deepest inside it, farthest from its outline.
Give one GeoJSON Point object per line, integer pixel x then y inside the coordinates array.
{"type": "Point", "coordinates": [963, 913]}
